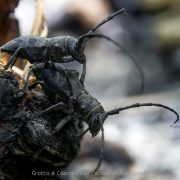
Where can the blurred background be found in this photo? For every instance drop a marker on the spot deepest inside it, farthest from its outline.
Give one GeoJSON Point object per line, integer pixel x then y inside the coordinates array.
{"type": "Point", "coordinates": [140, 143]}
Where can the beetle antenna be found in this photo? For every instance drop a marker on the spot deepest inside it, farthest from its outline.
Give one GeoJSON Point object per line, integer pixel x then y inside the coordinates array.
{"type": "Point", "coordinates": [102, 149]}
{"type": "Point", "coordinates": [108, 18]}
{"type": "Point", "coordinates": [117, 110]}
{"type": "Point", "coordinates": [82, 40]}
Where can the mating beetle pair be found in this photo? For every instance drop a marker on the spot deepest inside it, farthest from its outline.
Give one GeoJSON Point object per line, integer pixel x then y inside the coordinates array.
{"type": "Point", "coordinates": [61, 85]}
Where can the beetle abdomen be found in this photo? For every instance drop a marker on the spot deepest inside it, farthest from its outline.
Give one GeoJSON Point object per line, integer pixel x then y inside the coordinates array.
{"type": "Point", "coordinates": [14, 44]}
{"type": "Point", "coordinates": [33, 48]}
{"type": "Point", "coordinates": [36, 49]}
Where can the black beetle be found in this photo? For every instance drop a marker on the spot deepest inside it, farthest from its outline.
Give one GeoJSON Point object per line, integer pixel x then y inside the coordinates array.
{"type": "Point", "coordinates": [58, 49]}
{"type": "Point", "coordinates": [54, 79]}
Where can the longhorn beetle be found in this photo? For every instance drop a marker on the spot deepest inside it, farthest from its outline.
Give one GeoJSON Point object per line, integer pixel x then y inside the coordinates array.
{"type": "Point", "coordinates": [59, 49]}
{"type": "Point", "coordinates": [84, 104]}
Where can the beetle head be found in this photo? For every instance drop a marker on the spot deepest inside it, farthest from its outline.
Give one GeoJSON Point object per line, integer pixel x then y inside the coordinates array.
{"type": "Point", "coordinates": [76, 50]}
{"type": "Point", "coordinates": [97, 123]}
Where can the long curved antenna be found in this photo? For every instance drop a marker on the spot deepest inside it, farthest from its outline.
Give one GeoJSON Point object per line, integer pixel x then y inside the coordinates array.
{"type": "Point", "coordinates": [111, 16]}
{"type": "Point", "coordinates": [102, 150]}
{"type": "Point", "coordinates": [121, 46]}
{"type": "Point", "coordinates": [117, 110]}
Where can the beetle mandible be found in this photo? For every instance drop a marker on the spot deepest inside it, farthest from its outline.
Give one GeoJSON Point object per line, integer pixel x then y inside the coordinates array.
{"type": "Point", "coordinates": [59, 49]}
{"type": "Point", "coordinates": [88, 107]}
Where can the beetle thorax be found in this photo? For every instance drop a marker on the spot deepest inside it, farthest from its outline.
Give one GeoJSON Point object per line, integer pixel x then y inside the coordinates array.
{"type": "Point", "coordinates": [74, 51]}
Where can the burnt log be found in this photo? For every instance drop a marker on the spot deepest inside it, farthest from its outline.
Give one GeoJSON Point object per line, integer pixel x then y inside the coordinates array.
{"type": "Point", "coordinates": [23, 130]}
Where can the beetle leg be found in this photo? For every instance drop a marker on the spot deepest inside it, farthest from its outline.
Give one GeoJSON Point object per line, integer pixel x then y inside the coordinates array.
{"type": "Point", "coordinates": [56, 129]}
{"type": "Point", "coordinates": [33, 67]}
{"type": "Point", "coordinates": [60, 67]}
{"type": "Point", "coordinates": [83, 133]}
{"type": "Point", "coordinates": [59, 105]}
{"type": "Point", "coordinates": [83, 72]}
{"type": "Point", "coordinates": [12, 59]}
{"type": "Point", "coordinates": [68, 59]}
{"type": "Point", "coordinates": [27, 80]}
{"type": "Point", "coordinates": [70, 104]}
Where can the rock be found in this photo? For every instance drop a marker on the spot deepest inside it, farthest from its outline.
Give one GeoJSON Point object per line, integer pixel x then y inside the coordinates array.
{"type": "Point", "coordinates": [23, 131]}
